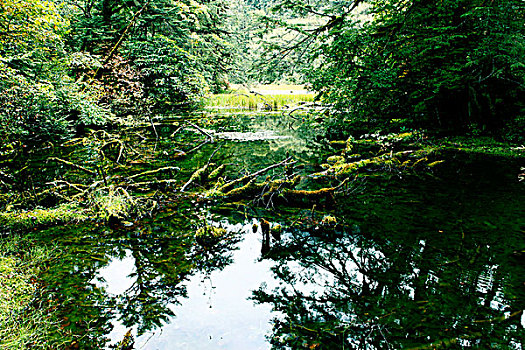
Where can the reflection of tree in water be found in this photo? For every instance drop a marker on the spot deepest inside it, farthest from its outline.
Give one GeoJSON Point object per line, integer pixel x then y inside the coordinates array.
{"type": "Point", "coordinates": [164, 254]}
{"type": "Point", "coordinates": [359, 291]}
{"type": "Point", "coordinates": [161, 266]}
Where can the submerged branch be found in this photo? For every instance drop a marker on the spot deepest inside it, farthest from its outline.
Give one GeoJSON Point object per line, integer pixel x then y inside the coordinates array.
{"type": "Point", "coordinates": [73, 165]}
{"type": "Point", "coordinates": [155, 171]}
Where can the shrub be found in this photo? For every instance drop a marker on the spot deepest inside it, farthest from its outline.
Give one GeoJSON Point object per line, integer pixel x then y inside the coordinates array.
{"type": "Point", "coordinates": [44, 111]}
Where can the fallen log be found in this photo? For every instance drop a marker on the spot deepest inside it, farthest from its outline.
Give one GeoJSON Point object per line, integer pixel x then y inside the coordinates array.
{"type": "Point", "coordinates": [155, 171]}
{"type": "Point", "coordinates": [227, 187]}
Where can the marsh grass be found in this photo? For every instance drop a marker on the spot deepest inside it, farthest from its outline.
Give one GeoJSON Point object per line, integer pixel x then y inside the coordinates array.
{"type": "Point", "coordinates": [253, 101]}
{"type": "Point", "coordinates": [24, 323]}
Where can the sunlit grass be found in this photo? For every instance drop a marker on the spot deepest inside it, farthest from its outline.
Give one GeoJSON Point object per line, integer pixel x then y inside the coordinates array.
{"type": "Point", "coordinates": [255, 101]}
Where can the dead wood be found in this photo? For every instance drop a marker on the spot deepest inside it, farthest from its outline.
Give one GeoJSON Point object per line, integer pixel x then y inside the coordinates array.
{"type": "Point", "coordinates": [199, 175]}
{"type": "Point", "coordinates": [245, 179]}
{"type": "Point", "coordinates": [73, 165]}
{"type": "Point", "coordinates": [201, 131]}
{"type": "Point", "coordinates": [155, 171]}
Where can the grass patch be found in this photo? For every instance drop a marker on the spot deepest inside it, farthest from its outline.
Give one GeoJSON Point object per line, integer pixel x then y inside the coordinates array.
{"type": "Point", "coordinates": [24, 323]}
{"type": "Point", "coordinates": [253, 101]}
{"type": "Point", "coordinates": [268, 88]}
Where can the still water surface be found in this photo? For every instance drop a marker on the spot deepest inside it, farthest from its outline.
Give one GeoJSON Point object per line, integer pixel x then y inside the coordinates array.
{"type": "Point", "coordinates": [408, 261]}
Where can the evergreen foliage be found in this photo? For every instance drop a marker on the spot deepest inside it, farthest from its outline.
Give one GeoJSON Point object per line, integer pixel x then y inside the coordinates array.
{"type": "Point", "coordinates": [449, 65]}
{"type": "Point", "coordinates": [65, 65]}
{"type": "Point", "coordinates": [40, 100]}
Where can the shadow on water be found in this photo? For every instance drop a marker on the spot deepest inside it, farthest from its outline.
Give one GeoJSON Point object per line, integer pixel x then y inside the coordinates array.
{"type": "Point", "coordinates": [415, 262]}
{"type": "Point", "coordinates": [409, 264]}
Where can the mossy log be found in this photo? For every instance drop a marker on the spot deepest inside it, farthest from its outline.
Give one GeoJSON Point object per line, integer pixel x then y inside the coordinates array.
{"type": "Point", "coordinates": [247, 190]}
{"type": "Point", "coordinates": [214, 175]}
{"type": "Point", "coordinates": [338, 166]}
{"type": "Point", "coordinates": [168, 169]}
{"type": "Point", "coordinates": [263, 189]}
{"type": "Point", "coordinates": [26, 220]}
{"type": "Point", "coordinates": [200, 175]}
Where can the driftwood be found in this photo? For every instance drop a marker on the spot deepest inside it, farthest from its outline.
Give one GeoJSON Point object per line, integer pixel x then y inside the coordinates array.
{"type": "Point", "coordinates": [322, 192]}
{"type": "Point", "coordinates": [283, 188]}
{"type": "Point", "coordinates": [227, 187]}
{"type": "Point", "coordinates": [199, 175]}
{"type": "Point", "coordinates": [207, 134]}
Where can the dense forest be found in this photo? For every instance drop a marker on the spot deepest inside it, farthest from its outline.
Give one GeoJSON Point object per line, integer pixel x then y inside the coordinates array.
{"type": "Point", "coordinates": [339, 132]}
{"type": "Point", "coordinates": [453, 67]}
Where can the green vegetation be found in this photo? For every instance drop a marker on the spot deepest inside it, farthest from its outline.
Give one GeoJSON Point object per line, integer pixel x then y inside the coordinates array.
{"type": "Point", "coordinates": [27, 220]}
{"type": "Point", "coordinates": [453, 66]}
{"type": "Point", "coordinates": [25, 321]}
{"type": "Point", "coordinates": [264, 102]}
{"type": "Point", "coordinates": [377, 143]}
{"type": "Point", "coordinates": [67, 65]}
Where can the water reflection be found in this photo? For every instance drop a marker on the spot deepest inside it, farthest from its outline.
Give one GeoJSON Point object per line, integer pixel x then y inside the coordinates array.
{"type": "Point", "coordinates": [156, 280]}
{"type": "Point", "coordinates": [415, 263]}
{"type": "Point", "coordinates": [217, 313]}
{"type": "Point", "coordinates": [400, 280]}
{"type": "Point", "coordinates": [400, 265]}
{"type": "Point", "coordinates": [115, 277]}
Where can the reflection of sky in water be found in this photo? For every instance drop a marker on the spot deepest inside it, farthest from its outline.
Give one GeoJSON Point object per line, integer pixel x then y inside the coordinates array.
{"type": "Point", "coordinates": [114, 277]}
{"type": "Point", "coordinates": [217, 313]}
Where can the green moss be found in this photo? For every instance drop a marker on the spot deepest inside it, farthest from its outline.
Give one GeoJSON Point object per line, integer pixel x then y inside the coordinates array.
{"type": "Point", "coordinates": [250, 187]}
{"type": "Point", "coordinates": [335, 159]}
{"type": "Point", "coordinates": [338, 143]}
{"type": "Point", "coordinates": [217, 172]}
{"type": "Point", "coordinates": [329, 220]}
{"type": "Point", "coordinates": [276, 229]}
{"type": "Point", "coordinates": [216, 190]}
{"type": "Point", "coordinates": [26, 220]}
{"type": "Point", "coordinates": [113, 204]}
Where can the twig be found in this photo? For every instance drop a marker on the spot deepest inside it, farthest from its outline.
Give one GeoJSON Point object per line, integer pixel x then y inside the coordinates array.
{"type": "Point", "coordinates": [154, 182]}
{"type": "Point", "coordinates": [196, 147]}
{"type": "Point", "coordinates": [209, 159]}
{"type": "Point", "coordinates": [227, 186]}
{"type": "Point", "coordinates": [154, 128]}
{"type": "Point", "coordinates": [63, 182]}
{"type": "Point", "coordinates": [177, 131]}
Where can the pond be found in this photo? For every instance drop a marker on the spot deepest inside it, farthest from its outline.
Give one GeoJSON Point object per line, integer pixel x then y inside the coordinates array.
{"type": "Point", "coordinates": [415, 261]}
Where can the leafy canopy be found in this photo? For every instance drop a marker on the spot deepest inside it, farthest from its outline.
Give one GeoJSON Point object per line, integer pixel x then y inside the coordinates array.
{"type": "Point", "coordinates": [448, 64]}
